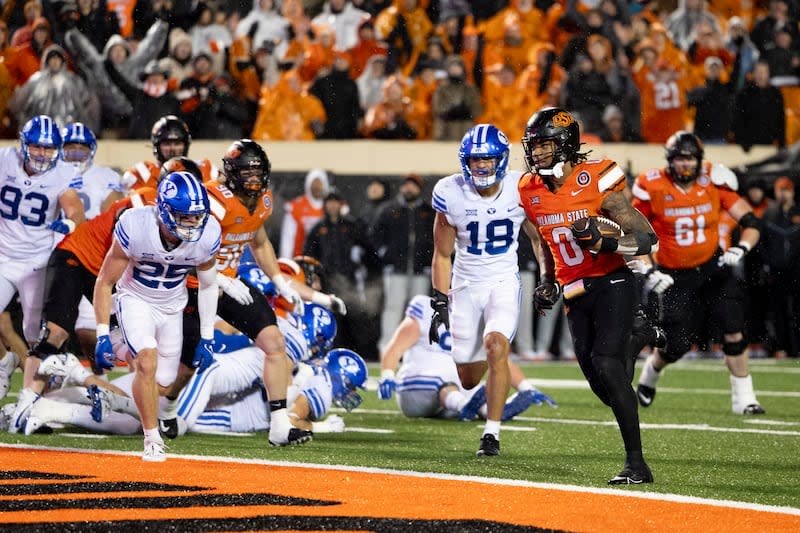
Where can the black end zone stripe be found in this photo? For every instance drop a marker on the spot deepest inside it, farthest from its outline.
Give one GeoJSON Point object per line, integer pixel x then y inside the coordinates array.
{"type": "Point", "coordinates": [89, 486]}
{"type": "Point", "coordinates": [281, 523]}
{"type": "Point", "coordinates": [28, 474]}
{"type": "Point", "coordinates": [160, 502]}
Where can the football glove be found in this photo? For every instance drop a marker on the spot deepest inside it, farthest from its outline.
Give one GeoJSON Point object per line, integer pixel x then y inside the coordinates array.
{"type": "Point", "coordinates": [545, 296]}
{"type": "Point", "coordinates": [337, 305]}
{"type": "Point", "coordinates": [657, 282]}
{"type": "Point", "coordinates": [441, 315]}
{"type": "Point", "coordinates": [234, 288]}
{"type": "Point", "coordinates": [62, 225]}
{"type": "Point", "coordinates": [104, 353]}
{"type": "Point", "coordinates": [291, 295]}
{"type": "Point", "coordinates": [387, 385]}
{"type": "Point", "coordinates": [585, 232]}
{"type": "Point", "coordinates": [732, 255]}
{"type": "Point", "coordinates": [203, 355]}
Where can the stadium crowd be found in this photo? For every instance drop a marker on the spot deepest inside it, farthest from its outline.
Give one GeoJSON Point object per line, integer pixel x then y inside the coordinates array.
{"type": "Point", "coordinates": [632, 71]}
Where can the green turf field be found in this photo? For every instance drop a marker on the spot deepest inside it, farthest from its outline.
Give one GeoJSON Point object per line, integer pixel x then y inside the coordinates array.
{"type": "Point", "coordinates": [693, 443]}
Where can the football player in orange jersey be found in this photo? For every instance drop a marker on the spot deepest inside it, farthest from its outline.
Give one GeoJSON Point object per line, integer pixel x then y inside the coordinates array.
{"type": "Point", "coordinates": [561, 194]}
{"type": "Point", "coordinates": [693, 277]}
{"type": "Point", "coordinates": [170, 138]}
{"type": "Point", "coordinates": [242, 204]}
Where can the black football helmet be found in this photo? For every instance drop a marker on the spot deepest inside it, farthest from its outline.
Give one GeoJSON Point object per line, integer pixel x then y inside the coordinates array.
{"type": "Point", "coordinates": [180, 164]}
{"type": "Point", "coordinates": [687, 144]}
{"type": "Point", "coordinates": [313, 269]}
{"type": "Point", "coordinates": [247, 168]}
{"type": "Point", "coordinates": [552, 124]}
{"type": "Point", "coordinates": [169, 128]}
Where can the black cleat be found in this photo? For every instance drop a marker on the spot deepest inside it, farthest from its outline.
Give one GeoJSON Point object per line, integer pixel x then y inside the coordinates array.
{"type": "Point", "coordinates": [645, 394]}
{"type": "Point", "coordinates": [296, 436]}
{"type": "Point", "coordinates": [168, 427]}
{"type": "Point", "coordinates": [489, 446]}
{"type": "Point", "coordinates": [754, 409]}
{"type": "Point", "coordinates": [632, 476]}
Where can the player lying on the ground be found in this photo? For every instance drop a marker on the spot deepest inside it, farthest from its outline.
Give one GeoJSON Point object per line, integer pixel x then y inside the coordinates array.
{"type": "Point", "coordinates": [427, 383]}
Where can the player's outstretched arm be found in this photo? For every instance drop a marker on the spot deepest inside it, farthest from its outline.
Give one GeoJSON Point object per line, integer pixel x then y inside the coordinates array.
{"type": "Point", "coordinates": [72, 206]}
{"type": "Point", "coordinates": [265, 257]}
{"type": "Point", "coordinates": [444, 240]}
{"type": "Point", "coordinates": [114, 264]}
{"type": "Point", "coordinates": [207, 297]}
{"type": "Point", "coordinates": [406, 334]}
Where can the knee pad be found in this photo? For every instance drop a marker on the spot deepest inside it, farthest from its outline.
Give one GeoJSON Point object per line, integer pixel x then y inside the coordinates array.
{"type": "Point", "coordinates": [43, 348]}
{"type": "Point", "coordinates": [735, 347]}
{"type": "Point", "coordinates": [674, 350]}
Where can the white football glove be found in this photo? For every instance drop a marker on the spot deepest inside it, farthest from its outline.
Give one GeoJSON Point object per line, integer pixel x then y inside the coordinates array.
{"type": "Point", "coordinates": [332, 424]}
{"type": "Point", "coordinates": [291, 295]}
{"type": "Point", "coordinates": [722, 175]}
{"type": "Point", "coordinates": [337, 305]}
{"type": "Point", "coordinates": [234, 288]}
{"type": "Point", "coordinates": [732, 255]}
{"type": "Point", "coordinates": [658, 282]}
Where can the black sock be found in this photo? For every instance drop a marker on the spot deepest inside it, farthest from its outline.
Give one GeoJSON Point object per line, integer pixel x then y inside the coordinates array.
{"type": "Point", "coordinates": [274, 405]}
{"type": "Point", "coordinates": [622, 398]}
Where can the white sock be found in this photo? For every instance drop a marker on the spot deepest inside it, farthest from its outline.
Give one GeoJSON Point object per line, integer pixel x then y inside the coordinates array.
{"type": "Point", "coordinates": [114, 423]}
{"type": "Point", "coordinates": [279, 420]}
{"type": "Point", "coordinates": [649, 375]}
{"type": "Point", "coordinates": [492, 427]}
{"type": "Point", "coordinates": [169, 409]}
{"type": "Point", "coordinates": [525, 385]}
{"type": "Point", "coordinates": [152, 434]}
{"type": "Point", "coordinates": [742, 393]}
{"type": "Point", "coordinates": [455, 400]}
{"type": "Point", "coordinates": [77, 375]}
{"type": "Point", "coordinates": [123, 404]}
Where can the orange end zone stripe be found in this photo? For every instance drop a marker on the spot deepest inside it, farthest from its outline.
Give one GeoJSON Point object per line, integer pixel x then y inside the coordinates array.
{"type": "Point", "coordinates": [343, 493]}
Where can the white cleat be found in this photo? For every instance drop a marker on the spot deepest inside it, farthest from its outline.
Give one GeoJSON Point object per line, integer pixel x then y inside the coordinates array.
{"type": "Point", "coordinates": [53, 366]}
{"type": "Point", "coordinates": [24, 405]}
{"type": "Point", "coordinates": [154, 451]}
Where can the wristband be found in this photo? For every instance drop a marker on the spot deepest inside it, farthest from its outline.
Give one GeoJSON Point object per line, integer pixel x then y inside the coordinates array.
{"type": "Point", "coordinates": [101, 329]}
{"type": "Point", "coordinates": [70, 224]}
{"type": "Point", "coordinates": [746, 246]}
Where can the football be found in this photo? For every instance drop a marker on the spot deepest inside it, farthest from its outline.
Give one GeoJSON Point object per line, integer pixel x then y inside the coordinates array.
{"type": "Point", "coordinates": [608, 228]}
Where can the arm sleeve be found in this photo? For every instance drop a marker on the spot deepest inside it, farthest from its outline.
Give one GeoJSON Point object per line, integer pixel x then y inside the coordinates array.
{"type": "Point", "coordinates": [207, 295]}
{"type": "Point", "coordinates": [288, 232]}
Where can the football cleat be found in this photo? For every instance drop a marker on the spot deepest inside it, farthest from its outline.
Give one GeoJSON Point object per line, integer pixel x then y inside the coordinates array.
{"type": "Point", "coordinates": [524, 399]}
{"type": "Point", "coordinates": [25, 403]}
{"type": "Point", "coordinates": [154, 451]}
{"type": "Point", "coordinates": [168, 427]}
{"type": "Point", "coordinates": [294, 437]}
{"type": "Point", "coordinates": [53, 366]}
{"type": "Point", "coordinates": [473, 405]}
{"type": "Point", "coordinates": [490, 446]}
{"type": "Point", "coordinates": [101, 403]}
{"type": "Point", "coordinates": [34, 424]}
{"type": "Point", "coordinates": [632, 476]}
{"type": "Point", "coordinates": [753, 409]}
{"type": "Point", "coordinates": [645, 394]}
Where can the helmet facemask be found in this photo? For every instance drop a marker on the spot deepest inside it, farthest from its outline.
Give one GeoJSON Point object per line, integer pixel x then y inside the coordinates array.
{"type": "Point", "coordinates": [253, 182]}
{"type": "Point", "coordinates": [41, 159]}
{"type": "Point", "coordinates": [186, 226]}
{"type": "Point", "coordinates": [484, 175]}
{"type": "Point", "coordinates": [548, 163]}
{"type": "Point", "coordinates": [80, 156]}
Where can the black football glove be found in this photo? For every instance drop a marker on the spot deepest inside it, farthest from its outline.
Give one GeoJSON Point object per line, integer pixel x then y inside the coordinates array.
{"type": "Point", "coordinates": [546, 295]}
{"type": "Point", "coordinates": [585, 232]}
{"type": "Point", "coordinates": [441, 315]}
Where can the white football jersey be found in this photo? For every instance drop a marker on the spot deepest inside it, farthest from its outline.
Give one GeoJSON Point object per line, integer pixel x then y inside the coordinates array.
{"type": "Point", "coordinates": [94, 185]}
{"type": "Point", "coordinates": [314, 382]}
{"type": "Point", "coordinates": [296, 344]}
{"type": "Point", "coordinates": [28, 204]}
{"type": "Point", "coordinates": [487, 228]}
{"type": "Point", "coordinates": [155, 275]}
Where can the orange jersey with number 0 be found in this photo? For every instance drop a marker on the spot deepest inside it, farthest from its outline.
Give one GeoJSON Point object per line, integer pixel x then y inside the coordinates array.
{"type": "Point", "coordinates": [686, 222]}
{"type": "Point", "coordinates": [580, 196]}
{"type": "Point", "coordinates": [91, 240]}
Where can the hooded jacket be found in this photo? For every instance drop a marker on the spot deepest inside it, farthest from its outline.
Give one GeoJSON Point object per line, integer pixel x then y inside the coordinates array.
{"type": "Point", "coordinates": [301, 214]}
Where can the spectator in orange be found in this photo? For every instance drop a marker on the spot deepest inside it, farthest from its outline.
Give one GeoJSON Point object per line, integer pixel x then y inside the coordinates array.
{"type": "Point", "coordinates": [666, 49]}
{"type": "Point", "coordinates": [707, 43]}
{"type": "Point", "coordinates": [288, 112]}
{"type": "Point", "coordinates": [389, 118]}
{"type": "Point", "coordinates": [471, 54]}
{"type": "Point", "coordinates": [663, 98]}
{"type": "Point", "coordinates": [366, 47]}
{"type": "Point", "coordinates": [302, 213]}
{"type": "Point", "coordinates": [32, 10]}
{"type": "Point", "coordinates": [24, 61]}
{"type": "Point", "coordinates": [503, 101]}
{"type": "Point", "coordinates": [511, 49]}
{"type": "Point", "coordinates": [344, 18]}
{"type": "Point", "coordinates": [319, 54]}
{"type": "Point", "coordinates": [530, 17]}
{"type": "Point", "coordinates": [541, 82]}
{"type": "Point", "coordinates": [423, 85]}
{"type": "Point", "coordinates": [6, 88]}
{"type": "Point", "coordinates": [405, 27]}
